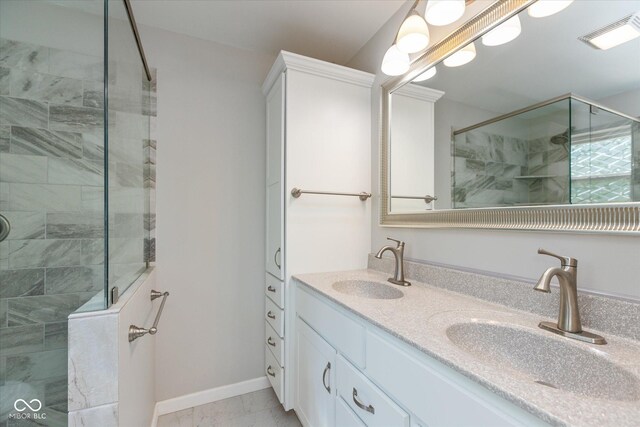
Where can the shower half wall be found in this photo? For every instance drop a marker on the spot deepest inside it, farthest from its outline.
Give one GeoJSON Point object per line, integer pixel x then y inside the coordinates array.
{"type": "Point", "coordinates": [76, 184]}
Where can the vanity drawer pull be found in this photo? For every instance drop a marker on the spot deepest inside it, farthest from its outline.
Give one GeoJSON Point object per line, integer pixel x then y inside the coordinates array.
{"type": "Point", "coordinates": [270, 372]}
{"type": "Point", "coordinates": [361, 405]}
{"type": "Point", "coordinates": [275, 259]}
{"type": "Point", "coordinates": [324, 374]}
{"type": "Point", "coordinates": [270, 315]}
{"type": "Point", "coordinates": [271, 289]}
{"type": "Point", "coordinates": [271, 342]}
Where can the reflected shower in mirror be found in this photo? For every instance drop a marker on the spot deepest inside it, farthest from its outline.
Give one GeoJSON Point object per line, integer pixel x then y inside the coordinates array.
{"type": "Point", "coordinates": [549, 116]}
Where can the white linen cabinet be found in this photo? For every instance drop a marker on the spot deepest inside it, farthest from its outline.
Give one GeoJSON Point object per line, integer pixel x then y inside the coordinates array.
{"type": "Point", "coordinates": [318, 139]}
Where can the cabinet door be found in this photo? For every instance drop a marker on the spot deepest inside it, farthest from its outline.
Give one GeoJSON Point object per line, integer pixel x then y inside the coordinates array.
{"type": "Point", "coordinates": [274, 230]}
{"type": "Point", "coordinates": [275, 131]}
{"type": "Point", "coordinates": [345, 416]}
{"type": "Point", "coordinates": [315, 400]}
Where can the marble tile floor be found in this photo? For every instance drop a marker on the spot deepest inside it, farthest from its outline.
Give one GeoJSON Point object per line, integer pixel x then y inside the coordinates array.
{"type": "Point", "coordinates": [258, 409]}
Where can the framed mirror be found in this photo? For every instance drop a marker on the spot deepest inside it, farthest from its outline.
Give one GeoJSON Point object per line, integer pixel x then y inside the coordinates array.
{"type": "Point", "coordinates": [519, 121]}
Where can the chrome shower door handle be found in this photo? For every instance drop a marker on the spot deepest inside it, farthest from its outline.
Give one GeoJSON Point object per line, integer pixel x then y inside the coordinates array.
{"type": "Point", "coordinates": [275, 259]}
{"type": "Point", "coordinates": [5, 227]}
{"type": "Point", "coordinates": [361, 405]}
{"type": "Point", "coordinates": [324, 375]}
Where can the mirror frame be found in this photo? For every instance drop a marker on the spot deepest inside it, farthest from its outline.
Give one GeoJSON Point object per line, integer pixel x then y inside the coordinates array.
{"type": "Point", "coordinates": [610, 218]}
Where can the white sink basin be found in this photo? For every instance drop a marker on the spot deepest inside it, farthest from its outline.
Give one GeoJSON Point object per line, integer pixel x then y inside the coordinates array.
{"type": "Point", "coordinates": [544, 360]}
{"type": "Point", "coordinates": [367, 289]}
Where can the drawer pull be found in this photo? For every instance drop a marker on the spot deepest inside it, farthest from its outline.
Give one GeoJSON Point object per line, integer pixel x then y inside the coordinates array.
{"type": "Point", "coordinates": [271, 289]}
{"type": "Point", "coordinates": [270, 315]}
{"type": "Point", "coordinates": [271, 342]}
{"type": "Point", "coordinates": [324, 374]}
{"type": "Point", "coordinates": [270, 371]}
{"type": "Point", "coordinates": [361, 405]}
{"type": "Point", "coordinates": [275, 259]}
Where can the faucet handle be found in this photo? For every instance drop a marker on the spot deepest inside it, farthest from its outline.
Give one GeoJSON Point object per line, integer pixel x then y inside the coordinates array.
{"type": "Point", "coordinates": [399, 242]}
{"type": "Point", "coordinates": [565, 260]}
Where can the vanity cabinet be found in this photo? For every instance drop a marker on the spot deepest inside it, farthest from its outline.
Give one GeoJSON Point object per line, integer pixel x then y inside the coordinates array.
{"type": "Point", "coordinates": [318, 131]}
{"type": "Point", "coordinates": [393, 385]}
{"type": "Point", "coordinates": [315, 385]}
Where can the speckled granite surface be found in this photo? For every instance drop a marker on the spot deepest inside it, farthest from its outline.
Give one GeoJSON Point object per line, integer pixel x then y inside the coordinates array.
{"type": "Point", "coordinates": [608, 315]}
{"type": "Point", "coordinates": [523, 370]}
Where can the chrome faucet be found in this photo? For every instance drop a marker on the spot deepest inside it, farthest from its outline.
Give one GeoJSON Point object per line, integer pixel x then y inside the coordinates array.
{"type": "Point", "coordinates": [569, 324]}
{"type": "Point", "coordinates": [398, 253]}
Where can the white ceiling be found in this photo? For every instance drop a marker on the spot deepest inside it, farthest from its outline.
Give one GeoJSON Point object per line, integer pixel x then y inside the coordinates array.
{"type": "Point", "coordinates": [547, 60]}
{"type": "Point", "coordinates": [331, 30]}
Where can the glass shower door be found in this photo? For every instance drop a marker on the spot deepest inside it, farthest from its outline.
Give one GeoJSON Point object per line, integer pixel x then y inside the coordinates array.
{"type": "Point", "coordinates": [52, 195]}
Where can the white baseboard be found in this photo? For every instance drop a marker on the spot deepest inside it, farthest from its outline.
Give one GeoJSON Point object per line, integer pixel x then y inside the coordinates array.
{"type": "Point", "coordinates": [207, 396]}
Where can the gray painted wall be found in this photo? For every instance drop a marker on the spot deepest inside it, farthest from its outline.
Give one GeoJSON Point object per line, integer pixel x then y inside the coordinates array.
{"type": "Point", "coordinates": [210, 199]}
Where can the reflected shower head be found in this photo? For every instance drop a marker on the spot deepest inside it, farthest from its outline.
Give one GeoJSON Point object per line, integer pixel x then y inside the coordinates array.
{"type": "Point", "coordinates": [561, 138]}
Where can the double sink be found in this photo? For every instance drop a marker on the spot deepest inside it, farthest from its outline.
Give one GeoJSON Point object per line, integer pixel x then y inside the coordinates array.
{"type": "Point", "coordinates": [519, 350]}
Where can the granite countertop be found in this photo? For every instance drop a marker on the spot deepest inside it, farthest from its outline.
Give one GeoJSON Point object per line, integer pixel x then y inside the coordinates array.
{"type": "Point", "coordinates": [421, 318]}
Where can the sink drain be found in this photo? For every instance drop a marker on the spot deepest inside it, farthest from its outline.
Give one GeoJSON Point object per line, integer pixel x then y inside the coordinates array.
{"type": "Point", "coordinates": [545, 384]}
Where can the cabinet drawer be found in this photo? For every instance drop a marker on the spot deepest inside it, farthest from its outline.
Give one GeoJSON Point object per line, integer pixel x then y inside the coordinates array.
{"type": "Point", "coordinates": [274, 373]}
{"type": "Point", "coordinates": [274, 343]}
{"type": "Point", "coordinates": [435, 393]}
{"type": "Point", "coordinates": [367, 400]}
{"type": "Point", "coordinates": [274, 288]}
{"type": "Point", "coordinates": [345, 417]}
{"type": "Point", "coordinates": [274, 316]}
{"type": "Point", "coordinates": [339, 330]}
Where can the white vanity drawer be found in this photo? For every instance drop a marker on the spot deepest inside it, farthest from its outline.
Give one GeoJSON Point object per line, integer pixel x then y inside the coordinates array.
{"type": "Point", "coordinates": [367, 400]}
{"type": "Point", "coordinates": [274, 373]}
{"type": "Point", "coordinates": [274, 289]}
{"type": "Point", "coordinates": [338, 329]}
{"type": "Point", "coordinates": [345, 417]}
{"type": "Point", "coordinates": [274, 343]}
{"type": "Point", "coordinates": [274, 316]}
{"type": "Point", "coordinates": [438, 399]}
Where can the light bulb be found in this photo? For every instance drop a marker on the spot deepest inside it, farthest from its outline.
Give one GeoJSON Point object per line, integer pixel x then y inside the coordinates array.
{"type": "Point", "coordinates": [413, 35]}
{"type": "Point", "coordinates": [543, 8]}
{"type": "Point", "coordinates": [426, 75]}
{"type": "Point", "coordinates": [461, 57]}
{"type": "Point", "coordinates": [395, 62]}
{"type": "Point", "coordinates": [444, 12]}
{"type": "Point", "coordinates": [503, 33]}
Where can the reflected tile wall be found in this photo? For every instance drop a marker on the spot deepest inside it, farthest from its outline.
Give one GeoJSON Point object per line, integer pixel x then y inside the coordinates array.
{"type": "Point", "coordinates": [51, 190]}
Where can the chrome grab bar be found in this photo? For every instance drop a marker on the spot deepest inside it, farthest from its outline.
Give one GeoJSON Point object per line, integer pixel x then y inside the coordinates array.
{"type": "Point", "coordinates": [296, 192]}
{"type": "Point", "coordinates": [427, 198]}
{"type": "Point", "coordinates": [136, 332]}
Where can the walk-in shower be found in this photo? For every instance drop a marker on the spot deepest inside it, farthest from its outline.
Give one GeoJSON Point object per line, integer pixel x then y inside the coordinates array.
{"type": "Point", "coordinates": [76, 175]}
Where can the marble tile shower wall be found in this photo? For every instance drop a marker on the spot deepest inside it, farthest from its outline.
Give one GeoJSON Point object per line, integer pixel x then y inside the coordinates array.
{"type": "Point", "coordinates": [51, 190]}
{"type": "Point", "coordinates": [496, 170]}
{"type": "Point", "coordinates": [485, 168]}
{"type": "Point", "coordinates": [551, 163]}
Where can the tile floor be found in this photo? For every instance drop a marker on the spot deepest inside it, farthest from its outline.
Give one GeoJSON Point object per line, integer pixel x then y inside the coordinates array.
{"type": "Point", "coordinates": [257, 409]}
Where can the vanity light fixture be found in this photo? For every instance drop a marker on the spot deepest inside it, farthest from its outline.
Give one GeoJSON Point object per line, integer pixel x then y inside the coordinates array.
{"type": "Point", "coordinates": [413, 35]}
{"type": "Point", "coordinates": [543, 8]}
{"type": "Point", "coordinates": [461, 57]}
{"type": "Point", "coordinates": [426, 75]}
{"type": "Point", "coordinates": [503, 33]}
{"type": "Point", "coordinates": [395, 62]}
{"type": "Point", "coordinates": [444, 12]}
{"type": "Point", "coordinates": [622, 31]}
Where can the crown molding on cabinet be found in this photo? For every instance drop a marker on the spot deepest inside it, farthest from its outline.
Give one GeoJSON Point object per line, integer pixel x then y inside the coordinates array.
{"type": "Point", "coordinates": [291, 61]}
{"type": "Point", "coordinates": [419, 92]}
